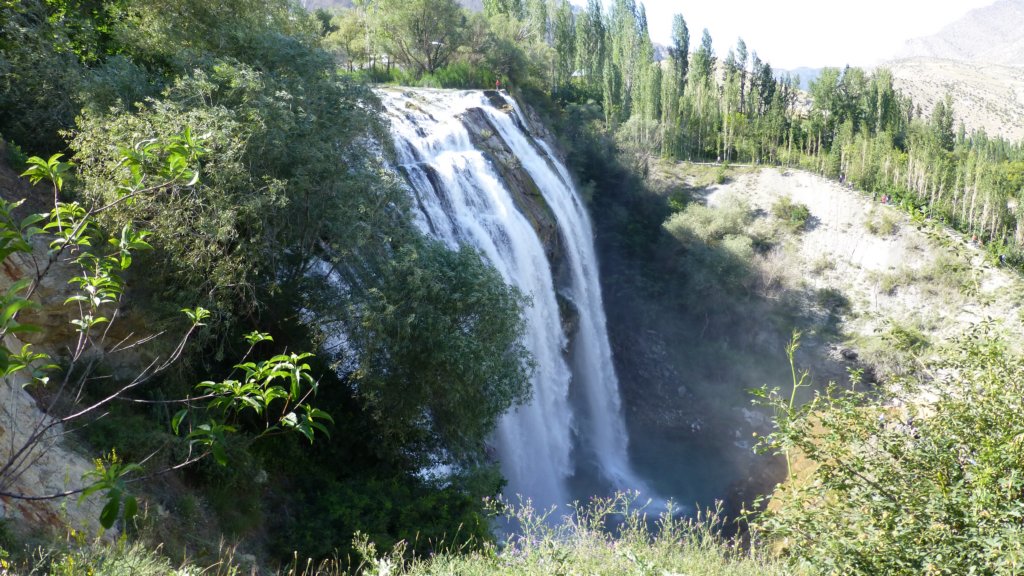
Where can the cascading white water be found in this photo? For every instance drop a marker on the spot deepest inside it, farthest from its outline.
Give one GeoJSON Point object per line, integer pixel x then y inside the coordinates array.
{"type": "Point", "coordinates": [462, 199]}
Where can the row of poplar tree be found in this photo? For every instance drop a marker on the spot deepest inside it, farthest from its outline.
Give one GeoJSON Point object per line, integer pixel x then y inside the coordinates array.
{"type": "Point", "coordinates": [685, 104]}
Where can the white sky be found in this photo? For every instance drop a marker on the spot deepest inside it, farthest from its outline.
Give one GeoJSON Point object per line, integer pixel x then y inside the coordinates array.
{"type": "Point", "coordinates": [814, 33]}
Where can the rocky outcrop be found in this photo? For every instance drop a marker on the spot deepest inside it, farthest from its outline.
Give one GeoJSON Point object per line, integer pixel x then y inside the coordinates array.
{"type": "Point", "coordinates": [527, 196]}
{"type": "Point", "coordinates": [570, 315]}
{"type": "Point", "coordinates": [47, 465]}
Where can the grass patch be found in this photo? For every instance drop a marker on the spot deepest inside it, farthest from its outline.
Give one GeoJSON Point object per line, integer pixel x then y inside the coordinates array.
{"type": "Point", "coordinates": [896, 346]}
{"type": "Point", "coordinates": [823, 263]}
{"type": "Point", "coordinates": [606, 536]}
{"type": "Point", "coordinates": [945, 275]}
{"type": "Point", "coordinates": [881, 222]}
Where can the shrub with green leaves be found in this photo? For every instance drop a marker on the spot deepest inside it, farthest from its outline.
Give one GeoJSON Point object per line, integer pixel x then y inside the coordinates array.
{"type": "Point", "coordinates": [710, 224]}
{"type": "Point", "coordinates": [718, 252]}
{"type": "Point", "coordinates": [923, 477]}
{"type": "Point", "coordinates": [793, 214]}
{"type": "Point", "coordinates": [276, 390]}
{"type": "Point", "coordinates": [881, 222]}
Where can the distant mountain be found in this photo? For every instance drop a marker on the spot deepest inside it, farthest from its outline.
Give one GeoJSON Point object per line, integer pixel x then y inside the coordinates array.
{"type": "Point", "coordinates": [985, 96]}
{"type": "Point", "coordinates": [991, 35]}
{"type": "Point", "coordinates": [979, 60]}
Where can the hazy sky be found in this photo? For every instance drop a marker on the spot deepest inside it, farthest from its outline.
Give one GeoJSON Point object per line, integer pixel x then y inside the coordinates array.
{"type": "Point", "coordinates": [815, 33]}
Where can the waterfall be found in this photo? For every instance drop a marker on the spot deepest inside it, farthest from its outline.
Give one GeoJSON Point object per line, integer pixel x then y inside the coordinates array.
{"type": "Point", "coordinates": [461, 198]}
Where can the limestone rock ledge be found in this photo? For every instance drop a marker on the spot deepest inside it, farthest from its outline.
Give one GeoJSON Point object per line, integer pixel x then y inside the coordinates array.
{"type": "Point", "coordinates": [526, 195]}
{"type": "Point", "coordinates": [48, 466]}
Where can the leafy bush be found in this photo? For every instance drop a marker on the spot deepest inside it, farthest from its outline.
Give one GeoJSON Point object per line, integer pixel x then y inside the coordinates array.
{"type": "Point", "coordinates": [710, 225]}
{"type": "Point", "coordinates": [905, 338]}
{"type": "Point", "coordinates": [793, 214]}
{"type": "Point", "coordinates": [39, 77]}
{"type": "Point", "coordinates": [717, 250]}
{"type": "Point", "coordinates": [924, 478]}
{"type": "Point", "coordinates": [721, 174]}
{"type": "Point", "coordinates": [16, 157]}
{"type": "Point", "coordinates": [833, 300]}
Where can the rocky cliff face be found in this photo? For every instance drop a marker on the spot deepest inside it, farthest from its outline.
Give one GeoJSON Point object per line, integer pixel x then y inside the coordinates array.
{"type": "Point", "coordinates": [527, 196]}
{"type": "Point", "coordinates": [46, 466]}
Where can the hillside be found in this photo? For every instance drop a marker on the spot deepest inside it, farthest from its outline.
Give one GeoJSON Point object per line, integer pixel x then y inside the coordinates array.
{"type": "Point", "coordinates": [855, 276]}
{"type": "Point", "coordinates": [985, 96]}
{"type": "Point", "coordinates": [892, 271]}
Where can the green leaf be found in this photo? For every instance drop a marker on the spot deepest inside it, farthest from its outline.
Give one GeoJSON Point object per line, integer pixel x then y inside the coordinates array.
{"type": "Point", "coordinates": [32, 219]}
{"type": "Point", "coordinates": [196, 315]}
{"type": "Point", "coordinates": [131, 507]}
{"type": "Point", "coordinates": [219, 455]}
{"type": "Point", "coordinates": [256, 337]}
{"type": "Point", "coordinates": [24, 329]}
{"type": "Point", "coordinates": [13, 308]}
{"type": "Point", "coordinates": [19, 286]}
{"type": "Point", "coordinates": [109, 514]}
{"type": "Point", "coordinates": [176, 421]}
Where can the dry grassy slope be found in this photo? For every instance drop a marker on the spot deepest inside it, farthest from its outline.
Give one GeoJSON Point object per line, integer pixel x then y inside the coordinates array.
{"type": "Point", "coordinates": [985, 96]}
{"type": "Point", "coordinates": [903, 273]}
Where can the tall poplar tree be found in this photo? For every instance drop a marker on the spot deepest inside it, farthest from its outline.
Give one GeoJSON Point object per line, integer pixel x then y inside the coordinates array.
{"type": "Point", "coordinates": [704, 59]}
{"type": "Point", "coordinates": [741, 61]}
{"type": "Point", "coordinates": [590, 47]}
{"type": "Point", "coordinates": [680, 52]}
{"type": "Point", "coordinates": [564, 43]}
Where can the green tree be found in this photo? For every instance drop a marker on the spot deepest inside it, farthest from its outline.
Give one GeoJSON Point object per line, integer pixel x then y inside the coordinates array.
{"type": "Point", "coordinates": [704, 60]}
{"type": "Point", "coordinates": [277, 390]}
{"type": "Point", "coordinates": [513, 8]}
{"type": "Point", "coordinates": [680, 52]}
{"type": "Point", "coordinates": [348, 40]}
{"type": "Point", "coordinates": [590, 48]}
{"type": "Point", "coordinates": [942, 123]}
{"type": "Point", "coordinates": [440, 357]}
{"type": "Point", "coordinates": [741, 63]}
{"type": "Point", "coordinates": [423, 34]}
{"type": "Point", "coordinates": [564, 43]}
